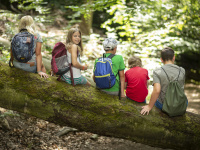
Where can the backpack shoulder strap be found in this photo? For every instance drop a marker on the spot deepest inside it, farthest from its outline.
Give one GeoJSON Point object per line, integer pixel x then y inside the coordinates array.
{"type": "Point", "coordinates": [23, 30]}
{"type": "Point", "coordinates": [165, 73]}
{"type": "Point", "coordinates": [178, 73]}
{"type": "Point", "coordinates": [111, 56]}
{"type": "Point", "coordinates": [11, 59]}
{"type": "Point", "coordinates": [77, 52]}
{"type": "Point", "coordinates": [168, 76]}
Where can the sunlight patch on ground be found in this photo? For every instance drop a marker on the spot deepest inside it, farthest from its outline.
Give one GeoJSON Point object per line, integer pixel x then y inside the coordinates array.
{"type": "Point", "coordinates": [195, 111]}
{"type": "Point", "coordinates": [195, 94]}
{"type": "Point", "coordinates": [192, 92]}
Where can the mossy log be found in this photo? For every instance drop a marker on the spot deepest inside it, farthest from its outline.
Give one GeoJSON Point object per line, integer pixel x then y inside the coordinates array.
{"type": "Point", "coordinates": [89, 109]}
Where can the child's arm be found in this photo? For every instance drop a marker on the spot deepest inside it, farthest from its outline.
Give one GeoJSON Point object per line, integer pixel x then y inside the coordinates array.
{"type": "Point", "coordinates": [122, 80]}
{"type": "Point", "coordinates": [39, 60]}
{"type": "Point", "coordinates": [93, 78]}
{"type": "Point", "coordinates": [75, 63]}
{"type": "Point", "coordinates": [125, 85]}
{"type": "Point", "coordinates": [154, 96]}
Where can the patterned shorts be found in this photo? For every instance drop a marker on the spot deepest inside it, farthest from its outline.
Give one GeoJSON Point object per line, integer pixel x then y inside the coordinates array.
{"type": "Point", "coordinates": [80, 80]}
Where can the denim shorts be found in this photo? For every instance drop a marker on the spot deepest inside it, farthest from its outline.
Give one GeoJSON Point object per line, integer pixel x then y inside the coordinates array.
{"type": "Point", "coordinates": [80, 80]}
{"type": "Point", "coordinates": [25, 67]}
{"type": "Point", "coordinates": [158, 105]}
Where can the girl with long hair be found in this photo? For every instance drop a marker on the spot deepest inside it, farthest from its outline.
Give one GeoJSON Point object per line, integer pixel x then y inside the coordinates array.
{"type": "Point", "coordinates": [35, 64]}
{"type": "Point", "coordinates": [74, 51]}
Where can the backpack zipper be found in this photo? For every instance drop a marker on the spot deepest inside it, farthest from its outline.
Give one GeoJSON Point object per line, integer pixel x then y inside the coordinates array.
{"type": "Point", "coordinates": [107, 75]}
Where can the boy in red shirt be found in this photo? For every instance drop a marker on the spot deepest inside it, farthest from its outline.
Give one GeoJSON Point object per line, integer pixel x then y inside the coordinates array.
{"type": "Point", "coordinates": [136, 80]}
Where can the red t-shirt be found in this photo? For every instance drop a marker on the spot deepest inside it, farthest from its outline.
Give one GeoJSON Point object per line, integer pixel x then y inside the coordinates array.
{"type": "Point", "coordinates": [136, 79]}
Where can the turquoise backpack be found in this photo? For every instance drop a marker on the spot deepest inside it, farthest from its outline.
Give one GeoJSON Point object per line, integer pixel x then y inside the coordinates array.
{"type": "Point", "coordinates": [175, 102]}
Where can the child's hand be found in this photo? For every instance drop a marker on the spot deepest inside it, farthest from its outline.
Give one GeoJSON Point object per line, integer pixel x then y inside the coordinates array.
{"type": "Point", "coordinates": [42, 74]}
{"type": "Point", "coordinates": [85, 67]}
{"type": "Point", "coordinates": [145, 110]}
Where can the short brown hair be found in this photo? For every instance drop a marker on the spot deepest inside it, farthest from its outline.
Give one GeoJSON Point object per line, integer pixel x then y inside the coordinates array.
{"type": "Point", "coordinates": [134, 61]}
{"type": "Point", "coordinates": [167, 53]}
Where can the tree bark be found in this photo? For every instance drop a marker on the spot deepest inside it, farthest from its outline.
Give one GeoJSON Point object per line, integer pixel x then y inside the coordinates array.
{"type": "Point", "coordinates": [4, 42]}
{"type": "Point", "coordinates": [86, 23]}
{"type": "Point", "coordinates": [88, 109]}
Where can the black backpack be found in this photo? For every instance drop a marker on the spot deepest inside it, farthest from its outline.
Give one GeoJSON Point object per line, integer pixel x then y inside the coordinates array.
{"type": "Point", "coordinates": [23, 46]}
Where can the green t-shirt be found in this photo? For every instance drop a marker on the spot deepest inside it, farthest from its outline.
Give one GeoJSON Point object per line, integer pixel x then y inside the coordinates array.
{"type": "Point", "coordinates": [117, 65]}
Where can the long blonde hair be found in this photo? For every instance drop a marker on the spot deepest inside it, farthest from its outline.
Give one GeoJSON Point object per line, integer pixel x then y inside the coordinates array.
{"type": "Point", "coordinates": [134, 61]}
{"type": "Point", "coordinates": [27, 22]}
{"type": "Point", "coordinates": [69, 42]}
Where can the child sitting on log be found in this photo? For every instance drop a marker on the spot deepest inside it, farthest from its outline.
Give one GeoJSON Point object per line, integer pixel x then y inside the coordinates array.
{"type": "Point", "coordinates": [136, 80]}
{"type": "Point", "coordinates": [26, 48]}
{"type": "Point", "coordinates": [74, 50]}
{"type": "Point", "coordinates": [162, 77]}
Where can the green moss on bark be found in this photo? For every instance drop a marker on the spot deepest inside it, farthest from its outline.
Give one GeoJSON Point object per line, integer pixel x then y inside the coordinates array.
{"type": "Point", "coordinates": [89, 109]}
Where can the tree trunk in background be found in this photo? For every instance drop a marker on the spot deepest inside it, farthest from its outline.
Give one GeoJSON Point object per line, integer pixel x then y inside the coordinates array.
{"type": "Point", "coordinates": [89, 109]}
{"type": "Point", "coordinates": [5, 5]}
{"type": "Point", "coordinates": [86, 24]}
{"type": "Point", "coordinates": [4, 42]}
{"type": "Point", "coordinates": [8, 5]}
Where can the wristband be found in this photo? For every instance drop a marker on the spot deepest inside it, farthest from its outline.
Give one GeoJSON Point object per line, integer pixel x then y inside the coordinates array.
{"type": "Point", "coordinates": [83, 67]}
{"type": "Point", "coordinates": [39, 71]}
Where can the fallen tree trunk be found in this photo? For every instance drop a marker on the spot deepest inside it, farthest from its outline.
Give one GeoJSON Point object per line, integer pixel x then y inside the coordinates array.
{"type": "Point", "coordinates": [89, 109]}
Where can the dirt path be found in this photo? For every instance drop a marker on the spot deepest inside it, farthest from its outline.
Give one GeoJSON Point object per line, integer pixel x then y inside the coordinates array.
{"type": "Point", "coordinates": [192, 92]}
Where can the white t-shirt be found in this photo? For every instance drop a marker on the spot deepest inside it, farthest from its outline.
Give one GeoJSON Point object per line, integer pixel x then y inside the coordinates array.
{"type": "Point", "coordinates": [76, 71]}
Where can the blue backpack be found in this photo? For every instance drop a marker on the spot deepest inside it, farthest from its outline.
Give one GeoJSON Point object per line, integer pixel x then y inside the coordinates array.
{"type": "Point", "coordinates": [104, 76]}
{"type": "Point", "coordinates": [23, 46]}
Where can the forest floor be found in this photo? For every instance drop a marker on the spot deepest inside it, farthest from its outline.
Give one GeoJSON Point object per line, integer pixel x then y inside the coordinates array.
{"type": "Point", "coordinates": [22, 132]}
{"type": "Point", "coordinates": [29, 133]}
{"type": "Point", "coordinates": [192, 92]}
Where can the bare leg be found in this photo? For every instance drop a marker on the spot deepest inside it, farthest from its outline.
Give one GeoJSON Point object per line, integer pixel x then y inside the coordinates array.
{"type": "Point", "coordinates": [88, 83]}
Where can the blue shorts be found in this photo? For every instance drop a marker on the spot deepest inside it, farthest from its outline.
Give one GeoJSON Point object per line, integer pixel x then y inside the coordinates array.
{"type": "Point", "coordinates": [25, 66]}
{"type": "Point", "coordinates": [160, 105]}
{"type": "Point", "coordinates": [80, 80]}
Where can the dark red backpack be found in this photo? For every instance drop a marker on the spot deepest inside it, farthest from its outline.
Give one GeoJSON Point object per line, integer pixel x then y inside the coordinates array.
{"type": "Point", "coordinates": [59, 62]}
